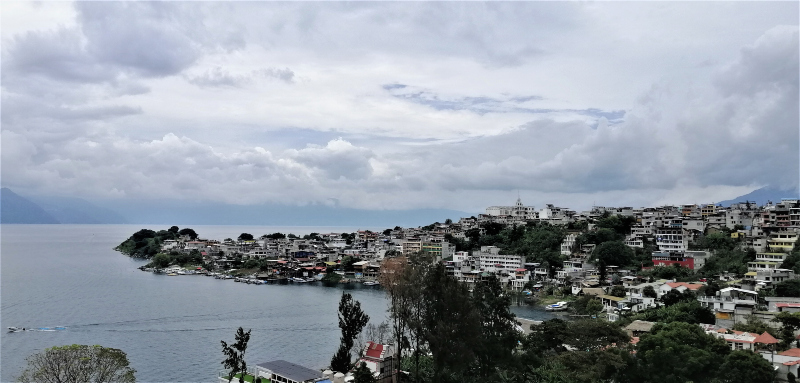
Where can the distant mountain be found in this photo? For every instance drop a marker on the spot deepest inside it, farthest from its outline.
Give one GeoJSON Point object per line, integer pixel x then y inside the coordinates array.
{"type": "Point", "coordinates": [77, 210]}
{"type": "Point", "coordinates": [211, 213]}
{"type": "Point", "coordinates": [762, 196]}
{"type": "Point", "coordinates": [16, 209]}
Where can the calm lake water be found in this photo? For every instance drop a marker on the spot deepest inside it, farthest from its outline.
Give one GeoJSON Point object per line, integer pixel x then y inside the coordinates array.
{"type": "Point", "coordinates": [170, 327]}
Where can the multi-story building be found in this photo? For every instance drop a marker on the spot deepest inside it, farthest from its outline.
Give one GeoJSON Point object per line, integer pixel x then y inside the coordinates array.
{"type": "Point", "coordinates": [671, 239]}
{"type": "Point", "coordinates": [568, 244]}
{"type": "Point", "coordinates": [517, 212]}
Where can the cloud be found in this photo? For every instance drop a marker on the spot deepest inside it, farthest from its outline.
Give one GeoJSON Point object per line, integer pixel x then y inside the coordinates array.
{"type": "Point", "coordinates": [338, 159]}
{"type": "Point", "coordinates": [219, 77]}
{"type": "Point", "coordinates": [407, 105]}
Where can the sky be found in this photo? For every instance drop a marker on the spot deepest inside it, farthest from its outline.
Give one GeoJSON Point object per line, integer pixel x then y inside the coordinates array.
{"type": "Point", "coordinates": [400, 105]}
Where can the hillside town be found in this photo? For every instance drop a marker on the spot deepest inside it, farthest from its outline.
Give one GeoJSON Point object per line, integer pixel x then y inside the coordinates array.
{"type": "Point", "coordinates": [673, 246]}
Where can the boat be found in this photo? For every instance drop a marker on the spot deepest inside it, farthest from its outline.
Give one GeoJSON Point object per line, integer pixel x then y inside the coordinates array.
{"type": "Point", "coordinates": [558, 306]}
{"type": "Point", "coordinates": [15, 329]}
{"type": "Point", "coordinates": [371, 283]}
{"type": "Point", "coordinates": [299, 280]}
{"type": "Point", "coordinates": [172, 274]}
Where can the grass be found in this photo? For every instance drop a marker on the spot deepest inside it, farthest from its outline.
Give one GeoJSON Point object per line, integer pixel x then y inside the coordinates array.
{"type": "Point", "coordinates": [250, 378]}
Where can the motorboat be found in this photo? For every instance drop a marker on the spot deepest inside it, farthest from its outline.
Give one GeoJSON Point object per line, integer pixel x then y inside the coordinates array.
{"type": "Point", "coordinates": [15, 329]}
{"type": "Point", "coordinates": [299, 280]}
{"type": "Point", "coordinates": [558, 306]}
{"type": "Point", "coordinates": [371, 283]}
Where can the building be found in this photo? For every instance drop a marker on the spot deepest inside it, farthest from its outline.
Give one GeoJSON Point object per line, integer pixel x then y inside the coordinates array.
{"type": "Point", "coordinates": [518, 212]}
{"type": "Point", "coordinates": [730, 305]}
{"type": "Point", "coordinates": [281, 371]}
{"type": "Point", "coordinates": [378, 358]}
{"type": "Point", "coordinates": [671, 239]}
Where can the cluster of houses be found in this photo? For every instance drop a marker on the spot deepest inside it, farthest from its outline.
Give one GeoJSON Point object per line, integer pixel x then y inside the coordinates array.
{"type": "Point", "coordinates": [771, 230]}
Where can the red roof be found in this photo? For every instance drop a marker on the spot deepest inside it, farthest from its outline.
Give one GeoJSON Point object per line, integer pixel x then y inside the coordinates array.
{"type": "Point", "coordinates": [765, 338]}
{"type": "Point", "coordinates": [374, 350]}
{"type": "Point", "coordinates": [791, 352]}
{"type": "Point", "coordinates": [690, 286]}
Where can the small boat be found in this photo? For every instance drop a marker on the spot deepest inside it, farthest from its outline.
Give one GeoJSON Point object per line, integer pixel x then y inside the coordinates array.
{"type": "Point", "coordinates": [558, 306]}
{"type": "Point", "coordinates": [298, 280]}
{"type": "Point", "coordinates": [15, 329]}
{"type": "Point", "coordinates": [172, 274]}
{"type": "Point", "coordinates": [371, 283]}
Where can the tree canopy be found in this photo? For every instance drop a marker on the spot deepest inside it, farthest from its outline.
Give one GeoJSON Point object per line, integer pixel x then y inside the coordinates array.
{"type": "Point", "coordinates": [78, 364]}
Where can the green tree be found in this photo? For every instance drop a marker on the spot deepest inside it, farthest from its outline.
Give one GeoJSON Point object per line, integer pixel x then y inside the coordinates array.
{"type": "Point", "coordinates": [680, 352]}
{"type": "Point", "coordinates": [452, 324]}
{"type": "Point", "coordinates": [234, 354]}
{"type": "Point", "coordinates": [78, 364]}
{"type": "Point", "coordinates": [594, 334]}
{"type": "Point", "coordinates": [245, 237]}
{"type": "Point", "coordinates": [790, 323]}
{"type": "Point", "coordinates": [362, 374]}
{"type": "Point", "coordinates": [500, 335]}
{"type": "Point", "coordinates": [161, 260]}
{"type": "Point", "coordinates": [685, 311]}
{"type": "Point", "coordinates": [790, 288]}
{"type": "Point", "coordinates": [744, 366]}
{"type": "Point", "coordinates": [615, 253]}
{"type": "Point", "coordinates": [674, 296]}
{"type": "Point", "coordinates": [754, 325]}
{"type": "Point", "coordinates": [351, 321]}
{"type": "Point", "coordinates": [187, 231]}
{"type": "Point", "coordinates": [618, 291]}
{"type": "Point", "coordinates": [649, 292]}
{"type": "Point", "coordinates": [174, 229]}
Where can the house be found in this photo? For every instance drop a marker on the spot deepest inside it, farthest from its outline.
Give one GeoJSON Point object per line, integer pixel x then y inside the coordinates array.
{"type": "Point", "coordinates": [639, 327]}
{"type": "Point", "coordinates": [281, 371]}
{"type": "Point", "coordinates": [378, 358]}
{"type": "Point", "coordinates": [730, 305]}
{"type": "Point", "coordinates": [679, 286]}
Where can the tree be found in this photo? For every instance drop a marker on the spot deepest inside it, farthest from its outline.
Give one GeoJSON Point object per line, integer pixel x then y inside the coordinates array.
{"type": "Point", "coordinates": [790, 288]}
{"type": "Point", "coordinates": [743, 366]}
{"type": "Point", "coordinates": [78, 363]}
{"type": "Point", "coordinates": [245, 237]}
{"type": "Point", "coordinates": [276, 236]}
{"type": "Point", "coordinates": [500, 336]}
{"type": "Point", "coordinates": [189, 232]}
{"type": "Point", "coordinates": [174, 229]}
{"type": "Point", "coordinates": [674, 296]}
{"type": "Point", "coordinates": [234, 354]}
{"type": "Point", "coordinates": [594, 334]}
{"type": "Point", "coordinates": [448, 221]}
{"type": "Point", "coordinates": [649, 292]}
{"type": "Point", "coordinates": [614, 253]}
{"type": "Point", "coordinates": [387, 232]}
{"type": "Point", "coordinates": [351, 320]}
{"type": "Point", "coordinates": [790, 323]}
{"type": "Point", "coordinates": [362, 374]}
{"type": "Point", "coordinates": [618, 291]}
{"type": "Point", "coordinates": [451, 323]}
{"type": "Point", "coordinates": [161, 261]}
{"type": "Point", "coordinates": [680, 352]}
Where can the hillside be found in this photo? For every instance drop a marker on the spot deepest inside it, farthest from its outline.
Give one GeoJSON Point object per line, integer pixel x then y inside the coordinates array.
{"type": "Point", "coordinates": [17, 209]}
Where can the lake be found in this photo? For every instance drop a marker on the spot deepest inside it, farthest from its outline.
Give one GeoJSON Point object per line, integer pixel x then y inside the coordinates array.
{"type": "Point", "coordinates": [170, 327]}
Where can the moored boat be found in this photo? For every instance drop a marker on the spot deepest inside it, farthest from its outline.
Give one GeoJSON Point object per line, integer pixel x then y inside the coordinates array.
{"type": "Point", "coordinates": [558, 306]}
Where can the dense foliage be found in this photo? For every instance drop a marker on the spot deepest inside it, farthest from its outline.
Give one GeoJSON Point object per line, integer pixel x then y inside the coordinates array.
{"type": "Point", "coordinates": [78, 363]}
{"type": "Point", "coordinates": [147, 243]}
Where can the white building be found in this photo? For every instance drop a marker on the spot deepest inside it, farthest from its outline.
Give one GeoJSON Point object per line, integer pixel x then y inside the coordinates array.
{"type": "Point", "coordinates": [517, 212]}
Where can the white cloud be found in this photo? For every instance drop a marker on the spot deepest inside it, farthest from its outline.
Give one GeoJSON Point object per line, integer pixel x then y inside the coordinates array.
{"type": "Point", "coordinates": [435, 104]}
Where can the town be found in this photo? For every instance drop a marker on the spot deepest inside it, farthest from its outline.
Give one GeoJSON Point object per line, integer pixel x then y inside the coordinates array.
{"type": "Point", "coordinates": [619, 264]}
